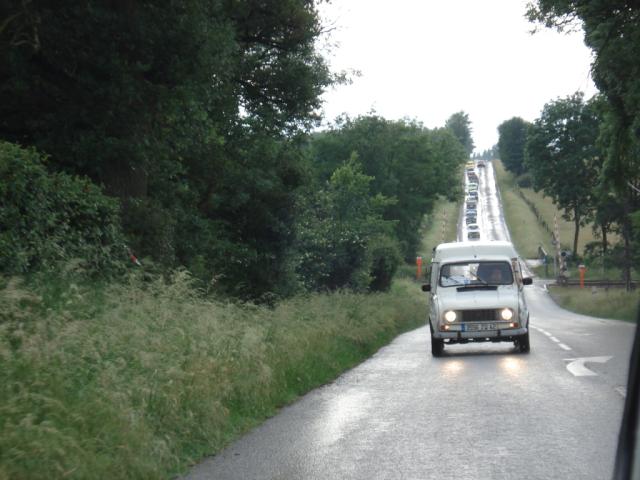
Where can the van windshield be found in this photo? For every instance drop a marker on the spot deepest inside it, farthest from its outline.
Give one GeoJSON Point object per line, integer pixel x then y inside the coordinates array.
{"type": "Point", "coordinates": [475, 273]}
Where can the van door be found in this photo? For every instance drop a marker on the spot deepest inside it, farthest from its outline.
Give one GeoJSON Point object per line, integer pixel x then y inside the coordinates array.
{"type": "Point", "coordinates": [433, 305]}
{"type": "Point", "coordinates": [522, 303]}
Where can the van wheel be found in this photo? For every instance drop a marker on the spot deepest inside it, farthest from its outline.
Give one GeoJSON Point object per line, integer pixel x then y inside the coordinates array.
{"type": "Point", "coordinates": [523, 343]}
{"type": "Point", "coordinates": [437, 346]}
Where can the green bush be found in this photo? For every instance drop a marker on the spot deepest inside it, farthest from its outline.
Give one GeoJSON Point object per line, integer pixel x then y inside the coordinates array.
{"type": "Point", "coordinates": [524, 181]}
{"type": "Point", "coordinates": [342, 238]}
{"type": "Point", "coordinates": [48, 218]}
{"type": "Point", "coordinates": [384, 258]}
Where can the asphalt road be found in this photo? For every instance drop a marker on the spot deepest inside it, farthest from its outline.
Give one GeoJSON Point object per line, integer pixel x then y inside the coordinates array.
{"type": "Point", "coordinates": [479, 412]}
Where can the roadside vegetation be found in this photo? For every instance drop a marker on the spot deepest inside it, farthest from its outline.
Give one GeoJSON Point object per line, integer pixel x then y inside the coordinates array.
{"type": "Point", "coordinates": [181, 252]}
{"type": "Point", "coordinates": [614, 303]}
{"type": "Point", "coordinates": [582, 154]}
{"type": "Point", "coordinates": [526, 232]}
{"type": "Point", "coordinates": [142, 378]}
{"type": "Point", "coordinates": [440, 226]}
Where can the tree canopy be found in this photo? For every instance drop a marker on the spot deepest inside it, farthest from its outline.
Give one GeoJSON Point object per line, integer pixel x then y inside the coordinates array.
{"type": "Point", "coordinates": [511, 142]}
{"type": "Point", "coordinates": [460, 125]}
{"type": "Point", "coordinates": [562, 156]}
{"type": "Point", "coordinates": [187, 112]}
{"type": "Point", "coordinates": [407, 162]}
{"type": "Point", "coordinates": [195, 119]}
{"type": "Point", "coordinates": [611, 31]}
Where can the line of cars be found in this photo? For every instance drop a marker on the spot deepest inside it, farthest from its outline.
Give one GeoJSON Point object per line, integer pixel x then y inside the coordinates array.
{"type": "Point", "coordinates": [471, 201]}
{"type": "Point", "coordinates": [477, 286]}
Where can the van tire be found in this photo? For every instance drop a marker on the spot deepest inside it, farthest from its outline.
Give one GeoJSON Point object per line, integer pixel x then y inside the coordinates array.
{"type": "Point", "coordinates": [523, 343]}
{"type": "Point", "coordinates": [437, 345]}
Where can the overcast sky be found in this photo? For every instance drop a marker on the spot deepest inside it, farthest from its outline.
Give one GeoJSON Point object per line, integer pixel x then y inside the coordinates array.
{"type": "Point", "coordinates": [427, 59]}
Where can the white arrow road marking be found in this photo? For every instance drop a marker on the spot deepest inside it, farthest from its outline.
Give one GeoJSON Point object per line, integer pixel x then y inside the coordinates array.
{"type": "Point", "coordinates": [577, 368]}
{"type": "Point", "coordinates": [621, 390]}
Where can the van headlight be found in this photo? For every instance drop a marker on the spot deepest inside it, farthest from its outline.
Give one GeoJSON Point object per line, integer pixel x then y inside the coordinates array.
{"type": "Point", "coordinates": [450, 316]}
{"type": "Point", "coordinates": [506, 314]}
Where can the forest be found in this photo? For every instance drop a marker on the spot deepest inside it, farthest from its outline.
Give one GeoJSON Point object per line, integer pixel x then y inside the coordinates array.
{"type": "Point", "coordinates": [185, 136]}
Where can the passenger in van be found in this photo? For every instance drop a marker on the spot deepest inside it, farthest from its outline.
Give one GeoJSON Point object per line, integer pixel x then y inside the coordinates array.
{"type": "Point", "coordinates": [494, 274]}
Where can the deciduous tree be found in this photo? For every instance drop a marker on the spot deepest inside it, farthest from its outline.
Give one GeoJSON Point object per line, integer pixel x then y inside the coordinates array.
{"type": "Point", "coordinates": [511, 143]}
{"type": "Point", "coordinates": [460, 125]}
{"type": "Point", "coordinates": [562, 155]}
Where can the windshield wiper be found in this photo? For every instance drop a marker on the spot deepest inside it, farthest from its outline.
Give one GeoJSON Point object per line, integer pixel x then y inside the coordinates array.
{"type": "Point", "coordinates": [477, 286]}
{"type": "Point", "coordinates": [446, 277]}
{"type": "Point", "coordinates": [484, 282]}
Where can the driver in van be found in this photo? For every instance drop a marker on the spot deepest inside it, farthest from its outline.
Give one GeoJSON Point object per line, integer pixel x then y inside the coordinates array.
{"type": "Point", "coordinates": [495, 274]}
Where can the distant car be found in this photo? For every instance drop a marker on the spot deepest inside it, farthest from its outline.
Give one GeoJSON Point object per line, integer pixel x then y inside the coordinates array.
{"type": "Point", "coordinates": [473, 236]}
{"type": "Point", "coordinates": [471, 212]}
{"type": "Point", "coordinates": [481, 163]}
{"type": "Point", "coordinates": [473, 194]}
{"type": "Point", "coordinates": [470, 220]}
{"type": "Point", "coordinates": [473, 227]}
{"type": "Point", "coordinates": [471, 204]}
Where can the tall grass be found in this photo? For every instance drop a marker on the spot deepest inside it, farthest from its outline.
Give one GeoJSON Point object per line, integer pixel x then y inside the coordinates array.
{"type": "Point", "coordinates": [141, 379]}
{"type": "Point", "coordinates": [614, 303]}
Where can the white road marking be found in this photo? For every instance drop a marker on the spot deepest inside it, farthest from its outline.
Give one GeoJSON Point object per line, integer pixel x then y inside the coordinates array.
{"type": "Point", "coordinates": [622, 391]}
{"type": "Point", "coordinates": [564, 346]}
{"type": "Point", "coordinates": [577, 368]}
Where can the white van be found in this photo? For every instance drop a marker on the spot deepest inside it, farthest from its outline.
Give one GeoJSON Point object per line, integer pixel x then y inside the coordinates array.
{"type": "Point", "coordinates": [477, 295]}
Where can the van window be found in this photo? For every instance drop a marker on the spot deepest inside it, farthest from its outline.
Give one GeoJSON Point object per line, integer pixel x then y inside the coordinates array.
{"type": "Point", "coordinates": [476, 273]}
{"type": "Point", "coordinates": [433, 279]}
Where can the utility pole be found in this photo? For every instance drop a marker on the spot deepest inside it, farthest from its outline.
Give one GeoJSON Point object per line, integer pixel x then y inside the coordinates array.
{"type": "Point", "coordinates": [444, 224]}
{"type": "Point", "coordinates": [556, 241]}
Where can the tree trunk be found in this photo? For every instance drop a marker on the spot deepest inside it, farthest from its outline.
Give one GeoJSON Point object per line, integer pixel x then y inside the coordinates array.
{"type": "Point", "coordinates": [604, 238]}
{"type": "Point", "coordinates": [626, 234]}
{"type": "Point", "coordinates": [576, 220]}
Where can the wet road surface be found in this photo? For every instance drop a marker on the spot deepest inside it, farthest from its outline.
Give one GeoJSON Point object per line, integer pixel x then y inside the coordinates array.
{"type": "Point", "coordinates": [479, 412]}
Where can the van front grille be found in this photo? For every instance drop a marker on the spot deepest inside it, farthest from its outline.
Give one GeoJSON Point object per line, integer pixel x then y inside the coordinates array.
{"type": "Point", "coordinates": [487, 315]}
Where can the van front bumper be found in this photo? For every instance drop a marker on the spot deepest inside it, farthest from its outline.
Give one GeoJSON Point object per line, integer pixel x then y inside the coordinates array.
{"type": "Point", "coordinates": [499, 333]}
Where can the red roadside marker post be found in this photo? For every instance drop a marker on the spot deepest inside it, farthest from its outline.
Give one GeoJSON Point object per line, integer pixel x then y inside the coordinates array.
{"type": "Point", "coordinates": [418, 267]}
{"type": "Point", "coordinates": [582, 269]}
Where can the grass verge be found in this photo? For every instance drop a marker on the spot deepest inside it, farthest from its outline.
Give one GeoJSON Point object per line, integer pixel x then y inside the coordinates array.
{"type": "Point", "coordinates": [526, 233]}
{"type": "Point", "coordinates": [140, 380]}
{"type": "Point", "coordinates": [438, 226]}
{"type": "Point", "coordinates": [614, 303]}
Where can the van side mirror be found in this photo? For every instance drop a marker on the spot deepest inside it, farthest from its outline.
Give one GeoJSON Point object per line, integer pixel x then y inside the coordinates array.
{"type": "Point", "coordinates": [527, 281]}
{"type": "Point", "coordinates": [426, 288]}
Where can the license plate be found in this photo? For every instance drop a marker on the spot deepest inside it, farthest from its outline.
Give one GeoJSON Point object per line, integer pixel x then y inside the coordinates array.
{"type": "Point", "coordinates": [479, 327]}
